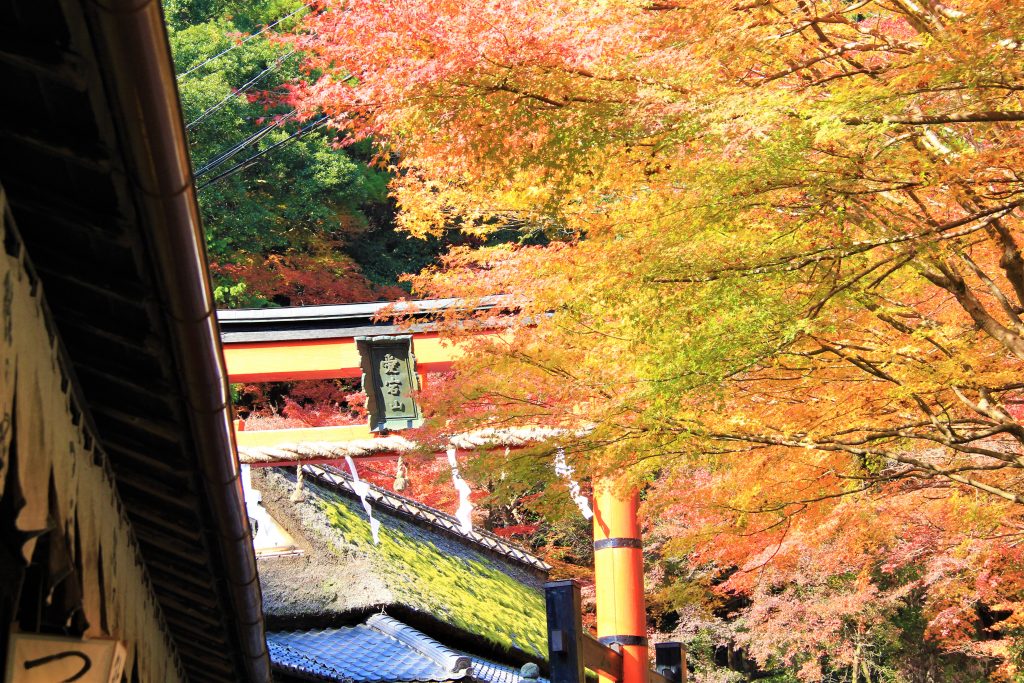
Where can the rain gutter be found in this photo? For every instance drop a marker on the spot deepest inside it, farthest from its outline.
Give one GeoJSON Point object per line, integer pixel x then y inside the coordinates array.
{"type": "Point", "coordinates": [137, 69]}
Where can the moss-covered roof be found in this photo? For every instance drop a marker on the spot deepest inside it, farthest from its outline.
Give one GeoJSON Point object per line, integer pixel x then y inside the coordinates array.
{"type": "Point", "coordinates": [340, 481]}
{"type": "Point", "coordinates": [455, 581]}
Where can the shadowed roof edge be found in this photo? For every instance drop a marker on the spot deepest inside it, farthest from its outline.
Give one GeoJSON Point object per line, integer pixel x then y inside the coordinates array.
{"type": "Point", "coordinates": [135, 59]}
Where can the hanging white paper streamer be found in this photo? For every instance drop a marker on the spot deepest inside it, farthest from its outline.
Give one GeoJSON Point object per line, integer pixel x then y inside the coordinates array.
{"type": "Point", "coordinates": [362, 489]}
{"type": "Point", "coordinates": [465, 512]}
{"type": "Point", "coordinates": [563, 470]}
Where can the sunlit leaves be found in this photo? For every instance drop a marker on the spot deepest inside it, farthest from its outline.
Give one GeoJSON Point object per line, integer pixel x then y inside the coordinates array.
{"type": "Point", "coordinates": [782, 281]}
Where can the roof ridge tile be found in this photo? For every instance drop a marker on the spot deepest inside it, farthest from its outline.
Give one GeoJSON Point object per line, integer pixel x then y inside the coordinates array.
{"type": "Point", "coordinates": [444, 657]}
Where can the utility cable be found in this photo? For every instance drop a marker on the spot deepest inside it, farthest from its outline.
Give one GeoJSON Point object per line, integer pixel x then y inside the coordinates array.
{"type": "Point", "coordinates": [241, 43]}
{"type": "Point", "coordinates": [245, 87]}
{"type": "Point", "coordinates": [255, 157]}
{"type": "Point", "coordinates": [247, 142]}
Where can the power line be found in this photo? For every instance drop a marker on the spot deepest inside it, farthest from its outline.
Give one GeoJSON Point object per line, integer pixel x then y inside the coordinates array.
{"type": "Point", "coordinates": [255, 157]}
{"type": "Point", "coordinates": [243, 42]}
{"type": "Point", "coordinates": [247, 142]}
{"type": "Point", "coordinates": [245, 87]}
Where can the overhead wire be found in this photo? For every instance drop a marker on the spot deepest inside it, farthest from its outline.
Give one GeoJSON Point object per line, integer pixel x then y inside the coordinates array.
{"type": "Point", "coordinates": [242, 165]}
{"type": "Point", "coordinates": [243, 42]}
{"type": "Point", "coordinates": [243, 89]}
{"type": "Point", "coordinates": [247, 142]}
{"type": "Point", "coordinates": [227, 155]}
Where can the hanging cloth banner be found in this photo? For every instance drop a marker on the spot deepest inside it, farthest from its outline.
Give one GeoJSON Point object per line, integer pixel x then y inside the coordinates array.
{"type": "Point", "coordinates": [564, 470]}
{"type": "Point", "coordinates": [465, 512]}
{"type": "Point", "coordinates": [362, 489]}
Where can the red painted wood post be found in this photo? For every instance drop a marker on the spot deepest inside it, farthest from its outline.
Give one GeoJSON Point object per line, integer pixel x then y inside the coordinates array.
{"type": "Point", "coordinates": [619, 577]}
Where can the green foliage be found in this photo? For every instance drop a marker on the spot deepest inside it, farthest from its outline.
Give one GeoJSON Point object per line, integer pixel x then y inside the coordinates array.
{"type": "Point", "coordinates": [295, 194]}
{"type": "Point", "coordinates": [249, 16]}
{"type": "Point", "coordinates": [568, 538]}
{"type": "Point", "coordinates": [293, 198]}
{"type": "Point", "coordinates": [300, 196]}
{"type": "Point", "coordinates": [387, 254]}
{"type": "Point", "coordinates": [237, 295]}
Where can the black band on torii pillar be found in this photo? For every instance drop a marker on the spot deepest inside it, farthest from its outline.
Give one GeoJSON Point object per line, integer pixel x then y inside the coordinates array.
{"type": "Point", "coordinates": [617, 543]}
{"type": "Point", "coordinates": [623, 640]}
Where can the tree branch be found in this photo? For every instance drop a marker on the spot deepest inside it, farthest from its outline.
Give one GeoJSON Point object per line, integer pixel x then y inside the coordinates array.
{"type": "Point", "coordinates": [938, 120]}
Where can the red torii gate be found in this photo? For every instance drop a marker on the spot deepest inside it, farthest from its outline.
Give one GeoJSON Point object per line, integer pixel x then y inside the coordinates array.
{"type": "Point", "coordinates": [319, 342]}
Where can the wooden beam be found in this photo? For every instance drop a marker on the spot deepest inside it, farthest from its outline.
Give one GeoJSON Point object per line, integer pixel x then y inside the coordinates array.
{"type": "Point", "coordinates": [287, 360]}
{"type": "Point", "coordinates": [280, 361]}
{"type": "Point", "coordinates": [269, 438]}
{"type": "Point", "coordinates": [565, 631]}
{"type": "Point", "coordinates": [655, 677]}
{"type": "Point", "coordinates": [670, 662]}
{"type": "Point", "coordinates": [602, 659]}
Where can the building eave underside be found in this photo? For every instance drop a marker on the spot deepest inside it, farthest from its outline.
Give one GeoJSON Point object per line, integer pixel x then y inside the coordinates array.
{"type": "Point", "coordinates": [64, 150]}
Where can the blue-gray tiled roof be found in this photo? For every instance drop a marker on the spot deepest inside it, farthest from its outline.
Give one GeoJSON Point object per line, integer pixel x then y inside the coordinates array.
{"type": "Point", "coordinates": [382, 650]}
{"type": "Point", "coordinates": [491, 672]}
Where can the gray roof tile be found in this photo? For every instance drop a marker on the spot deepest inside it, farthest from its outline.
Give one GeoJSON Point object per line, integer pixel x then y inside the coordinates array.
{"type": "Point", "coordinates": [382, 650]}
{"type": "Point", "coordinates": [491, 672]}
{"type": "Point", "coordinates": [360, 653]}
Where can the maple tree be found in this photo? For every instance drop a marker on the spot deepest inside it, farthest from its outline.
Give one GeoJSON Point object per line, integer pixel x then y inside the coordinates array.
{"type": "Point", "coordinates": [315, 274]}
{"type": "Point", "coordinates": [783, 274]}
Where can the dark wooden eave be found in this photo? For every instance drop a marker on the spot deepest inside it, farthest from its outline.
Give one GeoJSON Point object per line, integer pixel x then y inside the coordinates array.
{"type": "Point", "coordinates": [93, 162]}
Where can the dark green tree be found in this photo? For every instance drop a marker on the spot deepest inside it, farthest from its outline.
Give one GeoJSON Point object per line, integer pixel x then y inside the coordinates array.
{"type": "Point", "coordinates": [296, 207]}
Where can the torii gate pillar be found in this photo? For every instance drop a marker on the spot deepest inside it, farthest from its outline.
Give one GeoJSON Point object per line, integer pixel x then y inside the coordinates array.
{"type": "Point", "coordinates": [619, 577]}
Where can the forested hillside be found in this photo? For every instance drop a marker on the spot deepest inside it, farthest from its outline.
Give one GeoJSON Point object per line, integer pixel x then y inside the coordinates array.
{"type": "Point", "coordinates": [291, 216]}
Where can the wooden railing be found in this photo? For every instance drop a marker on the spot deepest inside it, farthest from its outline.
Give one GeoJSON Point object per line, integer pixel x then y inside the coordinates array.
{"type": "Point", "coordinates": [602, 659]}
{"type": "Point", "coordinates": [571, 650]}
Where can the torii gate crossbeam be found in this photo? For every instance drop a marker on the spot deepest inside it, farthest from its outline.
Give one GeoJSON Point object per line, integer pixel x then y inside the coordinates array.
{"type": "Point", "coordinates": [319, 342]}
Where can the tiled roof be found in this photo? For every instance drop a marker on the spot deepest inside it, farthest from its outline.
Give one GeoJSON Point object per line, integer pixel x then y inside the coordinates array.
{"type": "Point", "coordinates": [338, 321]}
{"type": "Point", "coordinates": [417, 568]}
{"type": "Point", "coordinates": [381, 650]}
{"type": "Point", "coordinates": [491, 672]}
{"type": "Point", "coordinates": [411, 509]}
{"type": "Point", "coordinates": [86, 158]}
